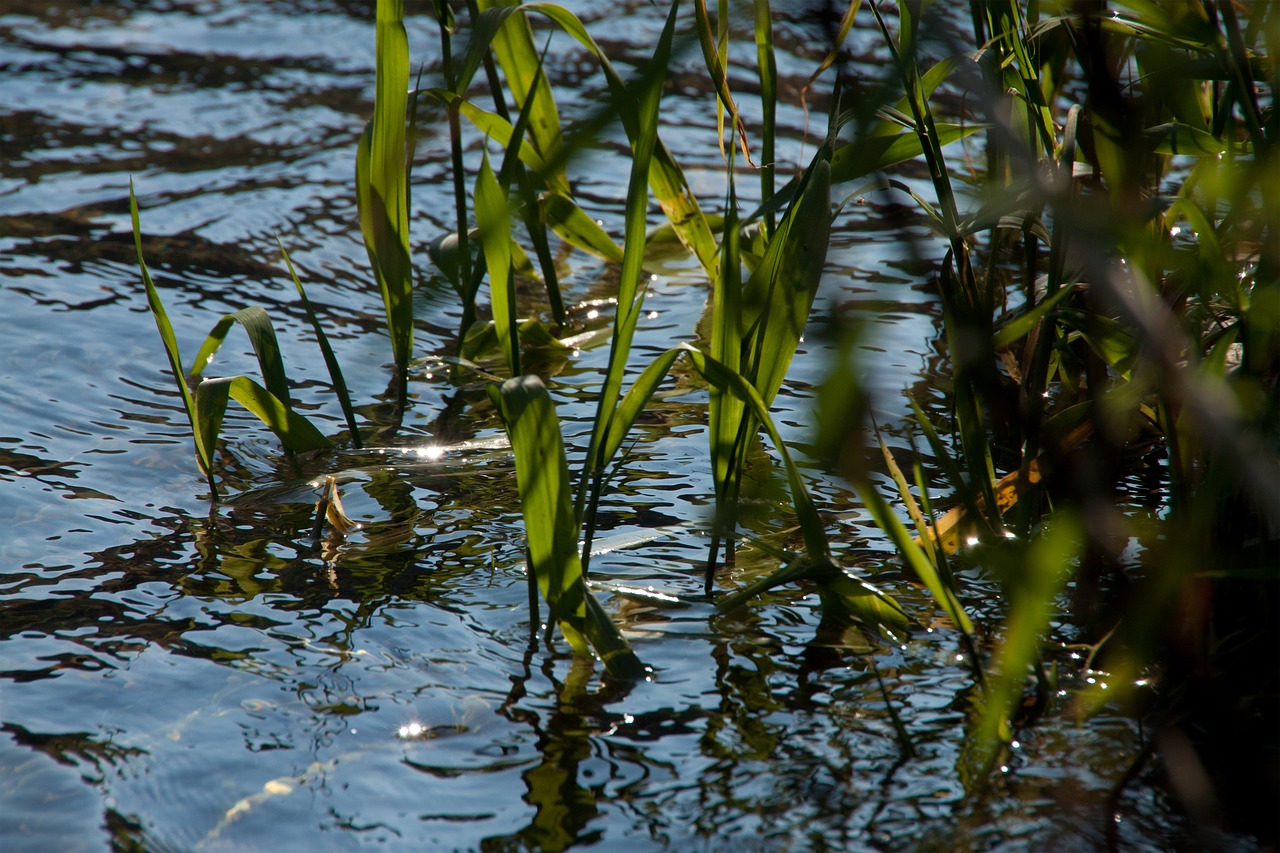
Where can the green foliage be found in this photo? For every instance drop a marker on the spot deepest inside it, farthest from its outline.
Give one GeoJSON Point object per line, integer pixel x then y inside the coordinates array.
{"type": "Point", "coordinates": [552, 526]}
{"type": "Point", "coordinates": [1120, 330]}
{"type": "Point", "coordinates": [330, 360]}
{"type": "Point", "coordinates": [1081, 326]}
{"type": "Point", "coordinates": [382, 181]}
{"type": "Point", "coordinates": [204, 448]}
{"type": "Point", "coordinates": [206, 406]}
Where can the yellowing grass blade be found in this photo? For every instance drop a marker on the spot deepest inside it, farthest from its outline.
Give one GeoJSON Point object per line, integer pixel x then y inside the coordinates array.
{"type": "Point", "coordinates": [916, 558]}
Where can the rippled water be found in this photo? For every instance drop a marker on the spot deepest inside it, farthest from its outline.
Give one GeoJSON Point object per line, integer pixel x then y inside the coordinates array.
{"type": "Point", "coordinates": [177, 677]}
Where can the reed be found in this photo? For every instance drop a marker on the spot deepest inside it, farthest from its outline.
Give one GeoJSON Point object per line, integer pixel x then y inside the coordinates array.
{"type": "Point", "coordinates": [1117, 340]}
{"type": "Point", "coordinates": [206, 404]}
{"type": "Point", "coordinates": [1085, 331]}
{"type": "Point", "coordinates": [382, 186]}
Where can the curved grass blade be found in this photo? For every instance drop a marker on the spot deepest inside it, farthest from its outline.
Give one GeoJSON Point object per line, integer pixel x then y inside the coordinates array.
{"type": "Point", "coordinates": [330, 360]}
{"type": "Point", "coordinates": [756, 327]}
{"type": "Point", "coordinates": [666, 178]}
{"type": "Point", "coordinates": [497, 128]}
{"type": "Point", "coordinates": [204, 449]}
{"type": "Point", "coordinates": [715, 67]}
{"type": "Point", "coordinates": [262, 335]}
{"type": "Point", "coordinates": [295, 432]}
{"type": "Point", "coordinates": [846, 24]}
{"type": "Point", "coordinates": [624, 417]}
{"type": "Point", "coordinates": [577, 228]}
{"type": "Point", "coordinates": [916, 558]}
{"type": "Point", "coordinates": [882, 150]}
{"type": "Point", "coordinates": [633, 403]}
{"type": "Point", "coordinates": [843, 596]}
{"type": "Point", "coordinates": [716, 374]}
{"type": "Point", "coordinates": [512, 45]}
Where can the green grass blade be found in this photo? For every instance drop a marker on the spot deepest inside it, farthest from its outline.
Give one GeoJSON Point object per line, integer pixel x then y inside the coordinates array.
{"type": "Point", "coordinates": [551, 524]}
{"type": "Point", "coordinates": [330, 360]}
{"type": "Point", "coordinates": [498, 129]}
{"type": "Point", "coordinates": [780, 292]}
{"type": "Point", "coordinates": [262, 335]}
{"type": "Point", "coordinates": [843, 596]}
{"type": "Point", "coordinates": [614, 650]}
{"type": "Point", "coordinates": [621, 421]}
{"type": "Point", "coordinates": [1020, 326]}
{"type": "Point", "coordinates": [726, 412]}
{"type": "Point", "coordinates": [512, 45]}
{"type": "Point", "coordinates": [915, 557]}
{"type": "Point", "coordinates": [880, 151]}
{"type": "Point", "coordinates": [1037, 576]}
{"type": "Point", "coordinates": [204, 449]}
{"type": "Point", "coordinates": [666, 178]}
{"type": "Point", "coordinates": [1009, 33]}
{"type": "Point", "coordinates": [295, 432]}
{"type": "Point", "coordinates": [211, 405]}
{"type": "Point", "coordinates": [630, 292]}
{"type": "Point", "coordinates": [493, 218]}
{"type": "Point", "coordinates": [767, 70]}
{"type": "Point", "coordinates": [382, 181]}
{"type": "Point", "coordinates": [719, 376]}
{"type": "Point", "coordinates": [577, 228]}
{"type": "Point", "coordinates": [634, 402]}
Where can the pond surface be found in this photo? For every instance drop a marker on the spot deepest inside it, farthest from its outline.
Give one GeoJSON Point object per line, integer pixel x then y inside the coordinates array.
{"type": "Point", "coordinates": [181, 677]}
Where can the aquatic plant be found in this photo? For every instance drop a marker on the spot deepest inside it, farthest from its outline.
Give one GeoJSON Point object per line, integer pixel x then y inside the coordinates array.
{"type": "Point", "coordinates": [382, 185]}
{"type": "Point", "coordinates": [1086, 333]}
{"type": "Point", "coordinates": [207, 403]}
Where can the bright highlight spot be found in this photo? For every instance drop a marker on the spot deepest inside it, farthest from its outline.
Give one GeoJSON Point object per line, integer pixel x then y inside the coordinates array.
{"type": "Point", "coordinates": [410, 731]}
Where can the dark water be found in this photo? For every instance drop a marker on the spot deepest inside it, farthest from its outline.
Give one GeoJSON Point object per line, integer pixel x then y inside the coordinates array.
{"type": "Point", "coordinates": [176, 677]}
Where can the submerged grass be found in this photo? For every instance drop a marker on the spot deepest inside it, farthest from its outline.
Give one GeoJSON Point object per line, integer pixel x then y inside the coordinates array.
{"type": "Point", "coordinates": [1086, 332]}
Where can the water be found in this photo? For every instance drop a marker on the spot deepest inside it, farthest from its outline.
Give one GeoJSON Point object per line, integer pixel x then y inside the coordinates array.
{"type": "Point", "coordinates": [177, 677]}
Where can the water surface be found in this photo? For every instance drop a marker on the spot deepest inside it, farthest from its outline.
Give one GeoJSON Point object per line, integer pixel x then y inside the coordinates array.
{"type": "Point", "coordinates": [178, 676]}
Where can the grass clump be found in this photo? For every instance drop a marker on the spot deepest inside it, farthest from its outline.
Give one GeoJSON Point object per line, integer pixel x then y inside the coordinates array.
{"type": "Point", "coordinates": [1086, 333]}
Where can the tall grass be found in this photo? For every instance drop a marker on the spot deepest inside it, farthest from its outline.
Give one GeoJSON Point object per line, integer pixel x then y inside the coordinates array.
{"type": "Point", "coordinates": [1109, 293]}
{"type": "Point", "coordinates": [1112, 137]}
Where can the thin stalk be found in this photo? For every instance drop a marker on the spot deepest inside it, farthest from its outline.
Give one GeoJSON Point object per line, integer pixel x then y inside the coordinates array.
{"type": "Point", "coordinates": [767, 68]}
